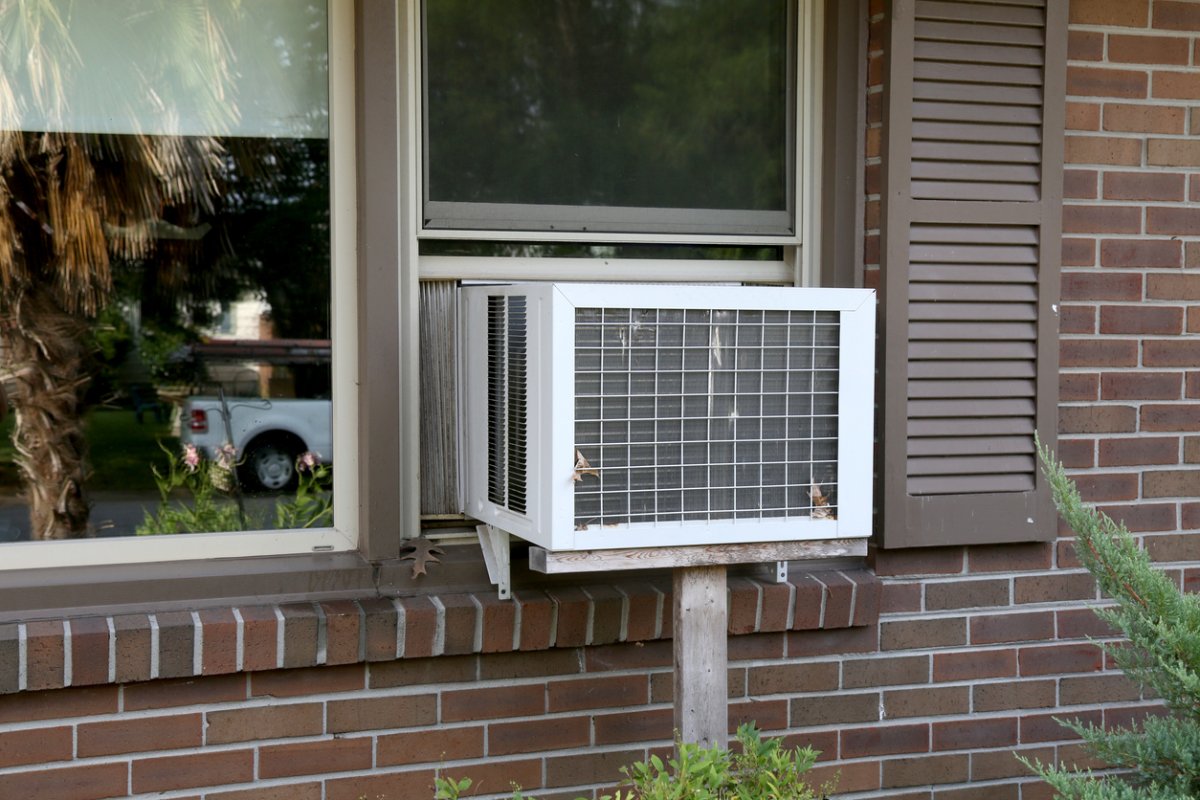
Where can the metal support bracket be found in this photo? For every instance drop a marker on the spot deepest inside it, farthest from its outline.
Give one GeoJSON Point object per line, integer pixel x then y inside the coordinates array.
{"type": "Point", "coordinates": [496, 556]}
{"type": "Point", "coordinates": [781, 571]}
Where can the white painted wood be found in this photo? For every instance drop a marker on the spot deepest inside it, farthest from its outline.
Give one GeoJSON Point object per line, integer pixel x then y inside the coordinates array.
{"type": "Point", "coordinates": [571, 561]}
{"type": "Point", "coordinates": [701, 656]}
{"type": "Point", "coordinates": [469, 268]}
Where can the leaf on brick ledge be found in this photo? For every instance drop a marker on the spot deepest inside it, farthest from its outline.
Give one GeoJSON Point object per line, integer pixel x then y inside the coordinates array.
{"type": "Point", "coordinates": [422, 552]}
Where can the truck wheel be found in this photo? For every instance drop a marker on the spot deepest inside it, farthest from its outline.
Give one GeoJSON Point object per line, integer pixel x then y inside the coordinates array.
{"type": "Point", "coordinates": [269, 465]}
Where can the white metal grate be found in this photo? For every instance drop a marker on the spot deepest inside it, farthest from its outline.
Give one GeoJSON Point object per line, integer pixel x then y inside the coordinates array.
{"type": "Point", "coordinates": [705, 414]}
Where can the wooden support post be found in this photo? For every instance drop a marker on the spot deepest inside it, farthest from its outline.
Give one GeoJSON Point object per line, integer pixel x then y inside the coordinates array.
{"type": "Point", "coordinates": [701, 656]}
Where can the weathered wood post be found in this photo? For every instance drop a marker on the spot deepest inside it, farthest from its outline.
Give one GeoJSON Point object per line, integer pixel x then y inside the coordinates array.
{"type": "Point", "coordinates": [701, 655]}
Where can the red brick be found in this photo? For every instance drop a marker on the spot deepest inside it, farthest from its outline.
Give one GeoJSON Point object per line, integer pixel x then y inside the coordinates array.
{"type": "Point", "coordinates": [539, 735]}
{"type": "Point", "coordinates": [1144, 186]}
{"type": "Point", "coordinates": [521, 665]}
{"type": "Point", "coordinates": [291, 791]}
{"type": "Point", "coordinates": [1139, 517]}
{"type": "Point", "coordinates": [420, 626]}
{"type": "Point", "coordinates": [1148, 49]}
{"type": "Point", "coordinates": [743, 605]}
{"type": "Point", "coordinates": [1077, 453]}
{"type": "Point", "coordinates": [133, 647]}
{"type": "Point", "coordinates": [259, 639]}
{"type": "Point", "coordinates": [1140, 386]}
{"type": "Point", "coordinates": [1176, 16]}
{"type": "Point", "coordinates": [776, 604]}
{"type": "Point", "coordinates": [57, 704]}
{"type": "Point", "coordinates": [491, 703]}
{"type": "Point", "coordinates": [756, 647]}
{"type": "Point", "coordinates": [917, 561]}
{"type": "Point", "coordinates": [302, 682]}
{"type": "Point", "coordinates": [1118, 13]}
{"type": "Point", "coordinates": [387, 785]}
{"type": "Point", "coordinates": [1175, 85]}
{"type": "Point", "coordinates": [600, 692]}
{"type": "Point", "coordinates": [1101, 286]}
{"type": "Point", "coordinates": [1011, 695]}
{"type": "Point", "coordinates": [899, 598]}
{"type": "Point", "coordinates": [1085, 46]}
{"type": "Point", "coordinates": [587, 768]}
{"type": "Point", "coordinates": [884, 740]}
{"type": "Point", "coordinates": [1173, 287]}
{"type": "Point", "coordinates": [1104, 219]}
{"type": "Point", "coordinates": [1102, 150]}
{"type": "Point", "coordinates": [1107, 487]}
{"type": "Point", "coordinates": [1009, 557]}
{"type": "Point", "coordinates": [418, 747]}
{"type": "Point", "coordinates": [810, 599]}
{"type": "Point", "coordinates": [1129, 118]}
{"type": "Point", "coordinates": [312, 758]}
{"type": "Point", "coordinates": [1097, 419]}
{"type": "Point", "coordinates": [868, 596]}
{"type": "Point", "coordinates": [176, 644]}
{"type": "Point", "coordinates": [866, 673]}
{"type": "Point", "coordinates": [998, 628]}
{"type": "Point", "coordinates": [768, 715]}
{"type": "Point", "coordinates": [1045, 728]}
{"type": "Point", "coordinates": [139, 735]}
{"type": "Point", "coordinates": [43, 746]}
{"type": "Point", "coordinates": [634, 726]}
{"type": "Point", "coordinates": [607, 609]}
{"type": "Point", "coordinates": [89, 651]}
{"type": "Point", "coordinates": [44, 655]}
{"type": "Point", "coordinates": [343, 631]}
{"type": "Point", "coordinates": [1052, 587]}
{"type": "Point", "coordinates": [1173, 153]}
{"type": "Point", "coordinates": [264, 722]}
{"type": "Point", "coordinates": [924, 771]}
{"type": "Point", "coordinates": [839, 599]}
{"type": "Point", "coordinates": [1175, 417]}
{"type": "Point", "coordinates": [620, 657]}
{"type": "Point", "coordinates": [1080, 184]}
{"type": "Point", "coordinates": [1098, 352]}
{"type": "Point", "coordinates": [184, 692]}
{"type": "Point", "coordinates": [1077, 386]}
{"type": "Point", "coordinates": [375, 713]}
{"type": "Point", "coordinates": [1097, 689]}
{"type": "Point", "coordinates": [219, 638]}
{"type": "Point", "coordinates": [1176, 547]}
{"type": "Point", "coordinates": [499, 622]}
{"type": "Point", "coordinates": [1078, 252]}
{"type": "Point", "coordinates": [922, 633]}
{"type": "Point", "coordinates": [574, 609]}
{"type": "Point", "coordinates": [1060, 659]}
{"type": "Point", "coordinates": [186, 772]}
{"type": "Point", "coordinates": [925, 702]}
{"type": "Point", "coordinates": [1171, 353]}
{"type": "Point", "coordinates": [69, 783]}
{"type": "Point", "coordinates": [823, 643]}
{"type": "Point", "coordinates": [837, 709]}
{"type": "Point", "coordinates": [974, 734]}
{"type": "Point", "coordinates": [1075, 623]}
{"type": "Point", "coordinates": [1139, 450]}
{"type": "Point", "coordinates": [379, 616]}
{"type": "Point", "coordinates": [1189, 514]}
{"type": "Point", "coordinates": [791, 678]}
{"type": "Point", "coordinates": [1170, 483]}
{"type": "Point", "coordinates": [1077, 319]}
{"type": "Point", "coordinates": [1172, 221]}
{"type": "Point", "coordinates": [1126, 253]}
{"type": "Point", "coordinates": [1103, 82]}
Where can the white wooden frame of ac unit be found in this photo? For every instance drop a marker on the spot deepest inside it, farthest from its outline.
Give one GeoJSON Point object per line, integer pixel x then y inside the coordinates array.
{"type": "Point", "coordinates": [549, 522]}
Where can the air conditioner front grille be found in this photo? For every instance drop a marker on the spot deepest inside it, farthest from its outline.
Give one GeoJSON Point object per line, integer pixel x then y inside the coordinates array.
{"type": "Point", "coordinates": [702, 415]}
{"type": "Point", "coordinates": [508, 423]}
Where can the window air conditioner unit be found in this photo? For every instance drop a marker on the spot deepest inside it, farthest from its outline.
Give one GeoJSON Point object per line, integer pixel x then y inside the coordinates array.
{"type": "Point", "coordinates": [602, 416]}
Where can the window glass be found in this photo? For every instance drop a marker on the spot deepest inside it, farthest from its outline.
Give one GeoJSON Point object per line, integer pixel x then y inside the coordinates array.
{"type": "Point", "coordinates": [669, 115]}
{"type": "Point", "coordinates": [164, 267]}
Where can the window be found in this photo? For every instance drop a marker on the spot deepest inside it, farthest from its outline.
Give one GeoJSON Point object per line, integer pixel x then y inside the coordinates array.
{"type": "Point", "coordinates": [180, 174]}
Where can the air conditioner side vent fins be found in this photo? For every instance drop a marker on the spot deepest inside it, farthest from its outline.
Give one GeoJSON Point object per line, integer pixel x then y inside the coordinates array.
{"type": "Point", "coordinates": [507, 406]}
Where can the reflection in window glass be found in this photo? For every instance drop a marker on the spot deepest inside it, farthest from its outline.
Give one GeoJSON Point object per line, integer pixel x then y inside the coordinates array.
{"type": "Point", "coordinates": [164, 268]}
{"type": "Point", "coordinates": [478, 249]}
{"type": "Point", "coordinates": [671, 105]}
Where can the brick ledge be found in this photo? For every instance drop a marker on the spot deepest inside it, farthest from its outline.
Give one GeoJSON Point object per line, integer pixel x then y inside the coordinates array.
{"type": "Point", "coordinates": [52, 654]}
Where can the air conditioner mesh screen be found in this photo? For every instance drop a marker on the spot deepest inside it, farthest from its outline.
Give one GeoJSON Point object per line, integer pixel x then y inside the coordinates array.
{"type": "Point", "coordinates": [689, 415]}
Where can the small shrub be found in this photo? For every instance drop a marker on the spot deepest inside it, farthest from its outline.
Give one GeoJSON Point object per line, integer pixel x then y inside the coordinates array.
{"type": "Point", "coordinates": [1160, 759]}
{"type": "Point", "coordinates": [763, 770]}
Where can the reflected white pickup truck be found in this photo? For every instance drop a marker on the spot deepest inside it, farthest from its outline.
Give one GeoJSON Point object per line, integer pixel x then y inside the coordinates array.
{"type": "Point", "coordinates": [268, 434]}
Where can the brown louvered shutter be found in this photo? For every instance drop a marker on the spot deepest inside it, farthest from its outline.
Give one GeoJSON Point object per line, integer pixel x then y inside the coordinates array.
{"type": "Point", "coordinates": [971, 229]}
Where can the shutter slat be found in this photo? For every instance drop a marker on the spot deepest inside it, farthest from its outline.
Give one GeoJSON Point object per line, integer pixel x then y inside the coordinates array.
{"type": "Point", "coordinates": [972, 369]}
{"type": "Point", "coordinates": [951, 253]}
{"type": "Point", "coordinates": [973, 12]}
{"type": "Point", "coordinates": [971, 350]}
{"type": "Point", "coordinates": [1006, 407]}
{"type": "Point", "coordinates": [982, 34]}
{"type": "Point", "coordinates": [972, 331]}
{"type": "Point", "coordinates": [962, 190]}
{"type": "Point", "coordinates": [992, 173]}
{"type": "Point", "coordinates": [978, 112]}
{"type": "Point", "coordinates": [969, 445]}
{"type": "Point", "coordinates": [973, 311]}
{"type": "Point", "coordinates": [936, 70]}
{"type": "Point", "coordinates": [1001, 134]}
{"type": "Point", "coordinates": [974, 388]}
{"type": "Point", "coordinates": [974, 151]}
{"type": "Point", "coordinates": [969, 93]}
{"type": "Point", "coordinates": [976, 292]}
{"type": "Point", "coordinates": [986, 234]}
{"type": "Point", "coordinates": [951, 483]}
{"type": "Point", "coordinates": [984, 426]}
{"type": "Point", "coordinates": [971, 465]}
{"type": "Point", "coordinates": [994, 273]}
{"type": "Point", "coordinates": [978, 54]}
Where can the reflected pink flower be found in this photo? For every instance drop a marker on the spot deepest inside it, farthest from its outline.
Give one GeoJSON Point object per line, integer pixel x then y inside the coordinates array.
{"type": "Point", "coordinates": [191, 457]}
{"type": "Point", "coordinates": [226, 456]}
{"type": "Point", "coordinates": [307, 461]}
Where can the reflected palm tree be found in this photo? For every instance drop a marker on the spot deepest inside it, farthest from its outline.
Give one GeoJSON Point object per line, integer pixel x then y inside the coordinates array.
{"type": "Point", "coordinates": [73, 202]}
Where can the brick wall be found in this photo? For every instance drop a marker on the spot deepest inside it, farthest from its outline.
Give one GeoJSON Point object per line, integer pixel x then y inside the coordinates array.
{"type": "Point", "coordinates": [917, 680]}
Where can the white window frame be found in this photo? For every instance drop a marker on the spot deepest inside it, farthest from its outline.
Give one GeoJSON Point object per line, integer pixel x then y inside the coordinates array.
{"type": "Point", "coordinates": [798, 267]}
{"type": "Point", "coordinates": [344, 535]}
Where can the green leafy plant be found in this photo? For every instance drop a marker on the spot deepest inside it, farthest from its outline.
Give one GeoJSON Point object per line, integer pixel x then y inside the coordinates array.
{"type": "Point", "coordinates": [761, 769]}
{"type": "Point", "coordinates": [208, 503]}
{"type": "Point", "coordinates": [1160, 759]}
